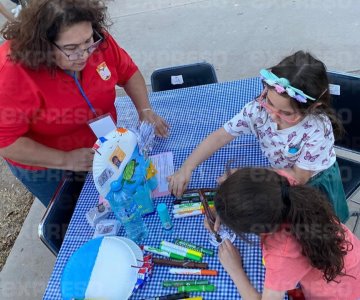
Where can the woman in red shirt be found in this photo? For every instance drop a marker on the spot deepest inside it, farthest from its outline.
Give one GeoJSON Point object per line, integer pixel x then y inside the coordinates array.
{"type": "Point", "coordinates": [303, 241]}
{"type": "Point", "coordinates": [59, 69]}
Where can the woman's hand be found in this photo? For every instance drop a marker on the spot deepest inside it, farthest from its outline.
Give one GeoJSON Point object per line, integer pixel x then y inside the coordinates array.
{"type": "Point", "coordinates": [79, 159]}
{"type": "Point", "coordinates": [179, 181]}
{"type": "Point", "coordinates": [161, 127]}
{"type": "Point", "coordinates": [230, 258]}
{"type": "Point", "coordinates": [224, 176]}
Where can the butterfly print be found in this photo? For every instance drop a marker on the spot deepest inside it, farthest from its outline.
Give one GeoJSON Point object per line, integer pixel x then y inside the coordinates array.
{"type": "Point", "coordinates": [245, 113]}
{"type": "Point", "coordinates": [307, 125]}
{"type": "Point", "coordinates": [278, 161]}
{"type": "Point", "coordinates": [291, 136]}
{"type": "Point", "coordinates": [311, 158]}
{"type": "Point", "coordinates": [230, 124]}
{"type": "Point", "coordinates": [309, 145]}
{"type": "Point", "coordinates": [259, 120]}
{"type": "Point", "coordinates": [263, 145]}
{"type": "Point", "coordinates": [242, 123]}
{"type": "Point", "coordinates": [305, 137]}
{"type": "Point", "coordinates": [250, 115]}
{"type": "Point", "coordinates": [322, 148]}
{"type": "Point", "coordinates": [279, 152]}
{"type": "Point", "coordinates": [317, 130]}
{"type": "Point", "coordinates": [261, 134]}
{"type": "Point", "coordinates": [324, 161]}
{"type": "Point", "coordinates": [273, 144]}
{"type": "Point", "coordinates": [270, 133]}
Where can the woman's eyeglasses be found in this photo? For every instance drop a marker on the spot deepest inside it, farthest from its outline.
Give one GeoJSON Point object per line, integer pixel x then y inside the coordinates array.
{"type": "Point", "coordinates": [73, 55]}
{"type": "Point", "coordinates": [291, 118]}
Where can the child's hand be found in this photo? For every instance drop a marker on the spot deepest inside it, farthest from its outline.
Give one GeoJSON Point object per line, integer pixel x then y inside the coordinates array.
{"type": "Point", "coordinates": [230, 257]}
{"type": "Point", "coordinates": [216, 225]}
{"type": "Point", "coordinates": [179, 181]}
{"type": "Point", "coordinates": [224, 176]}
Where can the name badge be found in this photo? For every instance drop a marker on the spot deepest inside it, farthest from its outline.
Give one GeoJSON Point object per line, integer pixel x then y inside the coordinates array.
{"type": "Point", "coordinates": [102, 125]}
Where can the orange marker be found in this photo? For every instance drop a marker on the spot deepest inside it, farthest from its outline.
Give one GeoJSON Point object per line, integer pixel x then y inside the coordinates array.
{"type": "Point", "coordinates": [193, 272]}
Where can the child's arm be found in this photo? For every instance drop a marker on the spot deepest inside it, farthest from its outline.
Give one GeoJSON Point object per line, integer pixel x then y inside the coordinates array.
{"type": "Point", "coordinates": [230, 259]}
{"type": "Point", "coordinates": [300, 176]}
{"type": "Point", "coordinates": [179, 181]}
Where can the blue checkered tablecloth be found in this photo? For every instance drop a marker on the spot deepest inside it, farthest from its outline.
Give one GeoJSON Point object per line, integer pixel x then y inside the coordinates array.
{"type": "Point", "coordinates": [192, 113]}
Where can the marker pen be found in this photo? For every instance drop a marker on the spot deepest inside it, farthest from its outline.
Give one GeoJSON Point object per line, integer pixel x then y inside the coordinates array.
{"type": "Point", "coordinates": [179, 263]}
{"type": "Point", "coordinates": [163, 253]}
{"type": "Point", "coordinates": [170, 297]}
{"type": "Point", "coordinates": [197, 288]}
{"type": "Point", "coordinates": [180, 253]}
{"type": "Point", "coordinates": [194, 247]}
{"type": "Point", "coordinates": [181, 248]}
{"type": "Point", "coordinates": [193, 272]}
{"type": "Point", "coordinates": [194, 298]}
{"type": "Point", "coordinates": [184, 201]}
{"type": "Point", "coordinates": [177, 283]}
{"type": "Point", "coordinates": [190, 214]}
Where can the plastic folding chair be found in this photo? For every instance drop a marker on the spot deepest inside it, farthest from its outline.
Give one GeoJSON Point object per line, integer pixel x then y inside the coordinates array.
{"type": "Point", "coordinates": [183, 76]}
{"type": "Point", "coordinates": [56, 219]}
{"type": "Point", "coordinates": [345, 90]}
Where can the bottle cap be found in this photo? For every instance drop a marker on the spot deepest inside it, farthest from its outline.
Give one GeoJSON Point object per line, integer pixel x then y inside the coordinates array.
{"type": "Point", "coordinates": [164, 215]}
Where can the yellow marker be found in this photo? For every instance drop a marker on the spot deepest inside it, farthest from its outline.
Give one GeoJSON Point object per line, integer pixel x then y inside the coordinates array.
{"type": "Point", "coordinates": [193, 298]}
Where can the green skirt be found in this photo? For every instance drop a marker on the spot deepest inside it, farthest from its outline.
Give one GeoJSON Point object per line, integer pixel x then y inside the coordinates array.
{"type": "Point", "coordinates": [329, 182]}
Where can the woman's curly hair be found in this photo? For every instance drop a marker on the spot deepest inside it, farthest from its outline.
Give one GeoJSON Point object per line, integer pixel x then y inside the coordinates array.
{"type": "Point", "coordinates": [252, 201]}
{"type": "Point", "coordinates": [39, 23]}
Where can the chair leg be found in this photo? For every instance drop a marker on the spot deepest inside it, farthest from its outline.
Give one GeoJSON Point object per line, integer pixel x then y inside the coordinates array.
{"type": "Point", "coordinates": [357, 215]}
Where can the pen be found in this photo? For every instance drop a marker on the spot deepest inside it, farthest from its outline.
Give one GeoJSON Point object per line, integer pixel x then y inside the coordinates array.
{"type": "Point", "coordinates": [179, 263]}
{"type": "Point", "coordinates": [184, 201]}
{"type": "Point", "coordinates": [163, 253]}
{"type": "Point", "coordinates": [181, 248]}
{"type": "Point", "coordinates": [180, 253]}
{"type": "Point", "coordinates": [194, 247]}
{"type": "Point", "coordinates": [177, 283]}
{"type": "Point", "coordinates": [194, 298]}
{"type": "Point", "coordinates": [190, 214]}
{"type": "Point", "coordinates": [193, 272]}
{"type": "Point", "coordinates": [197, 288]}
{"type": "Point", "coordinates": [170, 297]}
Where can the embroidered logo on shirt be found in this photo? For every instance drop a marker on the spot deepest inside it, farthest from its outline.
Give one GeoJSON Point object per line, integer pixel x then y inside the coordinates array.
{"type": "Point", "coordinates": [103, 71]}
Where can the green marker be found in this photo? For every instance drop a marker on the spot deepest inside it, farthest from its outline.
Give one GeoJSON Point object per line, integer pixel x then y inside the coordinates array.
{"type": "Point", "coordinates": [163, 253]}
{"type": "Point", "coordinates": [177, 283]}
{"type": "Point", "coordinates": [197, 288]}
{"type": "Point", "coordinates": [194, 247]}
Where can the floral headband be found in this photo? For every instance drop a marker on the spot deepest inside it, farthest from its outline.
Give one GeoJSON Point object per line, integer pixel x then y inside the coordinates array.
{"type": "Point", "coordinates": [282, 85]}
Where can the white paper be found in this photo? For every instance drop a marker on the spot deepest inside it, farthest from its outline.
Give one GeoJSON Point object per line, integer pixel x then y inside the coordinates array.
{"type": "Point", "coordinates": [102, 126]}
{"type": "Point", "coordinates": [178, 79]}
{"type": "Point", "coordinates": [165, 167]}
{"type": "Point", "coordinates": [334, 89]}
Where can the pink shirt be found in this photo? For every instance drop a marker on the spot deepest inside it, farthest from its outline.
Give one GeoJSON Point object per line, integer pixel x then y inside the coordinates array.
{"type": "Point", "coordinates": [286, 266]}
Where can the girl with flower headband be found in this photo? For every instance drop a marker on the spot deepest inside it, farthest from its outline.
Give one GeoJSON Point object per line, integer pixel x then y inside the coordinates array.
{"type": "Point", "coordinates": [294, 124]}
{"type": "Point", "coordinates": [302, 240]}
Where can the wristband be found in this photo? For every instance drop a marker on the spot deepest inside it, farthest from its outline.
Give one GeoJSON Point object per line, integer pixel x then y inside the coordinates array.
{"type": "Point", "coordinates": [145, 109]}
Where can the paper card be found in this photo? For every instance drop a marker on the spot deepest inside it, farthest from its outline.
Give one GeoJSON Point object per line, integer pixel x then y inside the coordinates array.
{"type": "Point", "coordinates": [102, 125]}
{"type": "Point", "coordinates": [334, 89]}
{"type": "Point", "coordinates": [178, 79]}
{"type": "Point", "coordinates": [165, 167]}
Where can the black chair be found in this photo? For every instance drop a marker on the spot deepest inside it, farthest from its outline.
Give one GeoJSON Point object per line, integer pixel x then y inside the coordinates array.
{"type": "Point", "coordinates": [183, 76]}
{"type": "Point", "coordinates": [56, 219]}
{"type": "Point", "coordinates": [345, 90]}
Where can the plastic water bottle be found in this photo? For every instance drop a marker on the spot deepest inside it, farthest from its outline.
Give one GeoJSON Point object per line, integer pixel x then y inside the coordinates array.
{"type": "Point", "coordinates": [126, 210]}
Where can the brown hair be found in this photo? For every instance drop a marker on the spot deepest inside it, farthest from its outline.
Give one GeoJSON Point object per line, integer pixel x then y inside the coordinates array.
{"type": "Point", "coordinates": [308, 74]}
{"type": "Point", "coordinates": [40, 23]}
{"type": "Point", "coordinates": [255, 200]}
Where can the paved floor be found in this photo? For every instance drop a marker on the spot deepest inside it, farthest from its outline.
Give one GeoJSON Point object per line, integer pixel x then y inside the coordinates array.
{"type": "Point", "coordinates": [238, 36]}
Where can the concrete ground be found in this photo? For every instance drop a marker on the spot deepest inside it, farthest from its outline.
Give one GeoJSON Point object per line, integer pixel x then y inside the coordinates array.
{"type": "Point", "coordinates": [238, 37]}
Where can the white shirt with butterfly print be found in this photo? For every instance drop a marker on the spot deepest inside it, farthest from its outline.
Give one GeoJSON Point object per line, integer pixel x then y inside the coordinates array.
{"type": "Point", "coordinates": [313, 137]}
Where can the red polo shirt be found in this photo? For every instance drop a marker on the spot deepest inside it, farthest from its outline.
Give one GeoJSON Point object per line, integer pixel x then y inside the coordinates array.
{"type": "Point", "coordinates": [49, 108]}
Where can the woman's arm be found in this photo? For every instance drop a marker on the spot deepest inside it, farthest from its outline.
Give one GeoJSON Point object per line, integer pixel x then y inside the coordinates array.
{"type": "Point", "coordinates": [136, 89]}
{"type": "Point", "coordinates": [230, 259]}
{"type": "Point", "coordinates": [27, 151]}
{"type": "Point", "coordinates": [179, 181]}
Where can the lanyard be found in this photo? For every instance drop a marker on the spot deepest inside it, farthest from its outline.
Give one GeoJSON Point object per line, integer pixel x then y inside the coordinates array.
{"type": "Point", "coordinates": [73, 75]}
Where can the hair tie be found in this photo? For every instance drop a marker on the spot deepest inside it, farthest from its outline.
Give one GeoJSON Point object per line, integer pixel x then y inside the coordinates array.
{"type": "Point", "coordinates": [285, 194]}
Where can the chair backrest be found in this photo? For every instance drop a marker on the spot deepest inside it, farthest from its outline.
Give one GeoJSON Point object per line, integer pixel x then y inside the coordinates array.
{"type": "Point", "coordinates": [56, 219]}
{"type": "Point", "coordinates": [182, 76]}
{"type": "Point", "coordinates": [345, 90]}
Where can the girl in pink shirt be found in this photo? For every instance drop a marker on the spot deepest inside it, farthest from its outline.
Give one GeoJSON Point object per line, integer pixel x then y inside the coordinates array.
{"type": "Point", "coordinates": [303, 241]}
